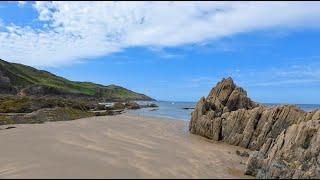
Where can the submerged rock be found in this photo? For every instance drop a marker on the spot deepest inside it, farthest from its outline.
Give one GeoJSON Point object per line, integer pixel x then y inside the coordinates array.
{"type": "Point", "coordinates": [228, 115]}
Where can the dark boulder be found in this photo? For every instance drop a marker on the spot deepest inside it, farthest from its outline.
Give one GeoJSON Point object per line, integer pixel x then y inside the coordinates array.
{"type": "Point", "coordinates": [132, 105]}
{"type": "Point", "coordinates": [118, 105]}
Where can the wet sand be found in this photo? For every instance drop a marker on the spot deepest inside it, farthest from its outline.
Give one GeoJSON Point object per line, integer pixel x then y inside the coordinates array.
{"type": "Point", "coordinates": [122, 146]}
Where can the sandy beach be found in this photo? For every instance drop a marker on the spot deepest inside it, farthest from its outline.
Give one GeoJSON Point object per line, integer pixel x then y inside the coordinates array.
{"type": "Point", "coordinates": [122, 146]}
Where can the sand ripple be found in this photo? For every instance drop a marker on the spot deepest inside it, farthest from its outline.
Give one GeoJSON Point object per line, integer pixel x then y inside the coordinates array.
{"type": "Point", "coordinates": [124, 146]}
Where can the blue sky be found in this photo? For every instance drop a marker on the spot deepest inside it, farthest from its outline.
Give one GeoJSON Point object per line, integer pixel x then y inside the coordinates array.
{"type": "Point", "coordinates": [272, 50]}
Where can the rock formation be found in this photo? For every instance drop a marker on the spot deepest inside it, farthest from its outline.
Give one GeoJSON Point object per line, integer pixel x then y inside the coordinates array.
{"type": "Point", "coordinates": [132, 105]}
{"type": "Point", "coordinates": [294, 154]}
{"type": "Point", "coordinates": [285, 139]}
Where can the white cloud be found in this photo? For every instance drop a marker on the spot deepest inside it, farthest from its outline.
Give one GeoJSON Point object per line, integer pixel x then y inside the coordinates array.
{"type": "Point", "coordinates": [21, 3]}
{"type": "Point", "coordinates": [286, 82]}
{"type": "Point", "coordinates": [296, 74]}
{"type": "Point", "coordinates": [78, 30]}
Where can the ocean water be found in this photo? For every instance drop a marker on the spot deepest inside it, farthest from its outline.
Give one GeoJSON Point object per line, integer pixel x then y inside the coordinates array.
{"type": "Point", "coordinates": [168, 109]}
{"type": "Point", "coordinates": [174, 110]}
{"type": "Point", "coordinates": [305, 107]}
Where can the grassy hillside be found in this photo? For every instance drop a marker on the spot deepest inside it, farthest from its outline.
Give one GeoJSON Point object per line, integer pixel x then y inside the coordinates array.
{"type": "Point", "coordinates": [15, 78]}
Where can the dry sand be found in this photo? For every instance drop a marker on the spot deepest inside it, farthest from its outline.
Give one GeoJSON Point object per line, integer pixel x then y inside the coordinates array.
{"type": "Point", "coordinates": [122, 146]}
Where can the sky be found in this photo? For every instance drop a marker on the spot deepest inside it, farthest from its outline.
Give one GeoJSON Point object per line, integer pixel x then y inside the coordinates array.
{"type": "Point", "coordinates": [174, 51]}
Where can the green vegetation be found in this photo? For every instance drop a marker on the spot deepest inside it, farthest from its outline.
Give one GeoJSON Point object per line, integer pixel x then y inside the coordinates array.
{"type": "Point", "coordinates": [30, 110]}
{"type": "Point", "coordinates": [54, 114]}
{"type": "Point", "coordinates": [15, 104]}
{"type": "Point", "coordinates": [46, 115]}
{"type": "Point", "coordinates": [23, 77]}
{"type": "Point", "coordinates": [28, 96]}
{"type": "Point", "coordinates": [5, 120]}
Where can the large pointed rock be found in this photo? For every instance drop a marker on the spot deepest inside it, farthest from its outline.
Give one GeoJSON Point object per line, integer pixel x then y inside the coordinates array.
{"type": "Point", "coordinates": [281, 135]}
{"type": "Point", "coordinates": [226, 96]}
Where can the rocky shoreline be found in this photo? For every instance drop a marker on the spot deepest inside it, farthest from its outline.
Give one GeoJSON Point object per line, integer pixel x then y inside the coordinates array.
{"type": "Point", "coordinates": [285, 139]}
{"type": "Point", "coordinates": [31, 110]}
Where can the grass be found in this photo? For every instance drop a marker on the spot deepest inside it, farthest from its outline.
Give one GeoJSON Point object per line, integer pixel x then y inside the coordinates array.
{"type": "Point", "coordinates": [4, 120]}
{"type": "Point", "coordinates": [14, 104]}
{"type": "Point", "coordinates": [22, 76]}
{"type": "Point", "coordinates": [46, 115]}
{"type": "Point", "coordinates": [59, 114]}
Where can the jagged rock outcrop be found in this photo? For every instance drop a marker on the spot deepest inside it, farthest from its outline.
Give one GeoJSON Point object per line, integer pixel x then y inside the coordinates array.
{"type": "Point", "coordinates": [226, 96]}
{"type": "Point", "coordinates": [294, 154]}
{"type": "Point", "coordinates": [228, 115]}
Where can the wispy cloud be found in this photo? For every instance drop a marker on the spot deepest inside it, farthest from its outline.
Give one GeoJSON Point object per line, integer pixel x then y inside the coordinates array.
{"type": "Point", "coordinates": [295, 74]}
{"type": "Point", "coordinates": [161, 52]}
{"type": "Point", "coordinates": [285, 82]}
{"type": "Point", "coordinates": [303, 59]}
{"type": "Point", "coordinates": [21, 3]}
{"type": "Point", "coordinates": [77, 30]}
{"type": "Point", "coordinates": [202, 79]}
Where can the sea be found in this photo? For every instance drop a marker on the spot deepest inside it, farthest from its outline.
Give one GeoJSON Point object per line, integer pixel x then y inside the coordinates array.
{"type": "Point", "coordinates": [183, 110]}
